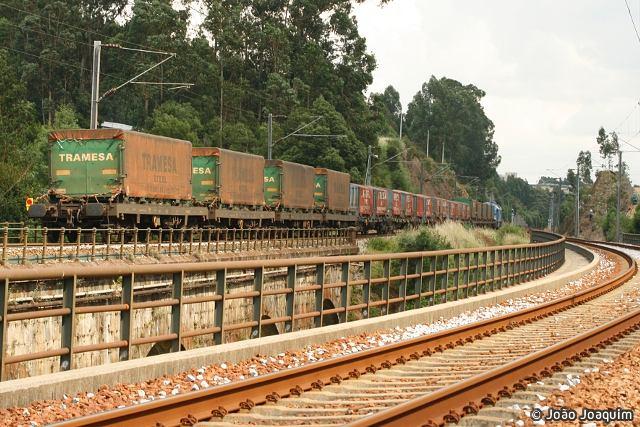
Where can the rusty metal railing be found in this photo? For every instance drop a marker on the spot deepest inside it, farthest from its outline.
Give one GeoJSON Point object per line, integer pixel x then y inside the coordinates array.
{"type": "Point", "coordinates": [21, 245]}
{"type": "Point", "coordinates": [631, 239]}
{"type": "Point", "coordinates": [363, 286]}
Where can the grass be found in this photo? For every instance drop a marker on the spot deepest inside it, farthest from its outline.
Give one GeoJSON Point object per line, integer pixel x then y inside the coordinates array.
{"type": "Point", "coordinates": [448, 235]}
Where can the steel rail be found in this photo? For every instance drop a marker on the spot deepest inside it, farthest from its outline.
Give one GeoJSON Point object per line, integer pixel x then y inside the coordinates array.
{"type": "Point", "coordinates": [218, 401]}
{"type": "Point", "coordinates": [450, 404]}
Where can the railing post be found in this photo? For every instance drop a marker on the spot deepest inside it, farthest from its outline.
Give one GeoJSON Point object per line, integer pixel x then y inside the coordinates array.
{"type": "Point", "coordinates": [176, 311]}
{"type": "Point", "coordinates": [147, 241]}
{"type": "Point", "coordinates": [78, 240]}
{"type": "Point", "coordinates": [121, 243]}
{"type": "Point", "coordinates": [320, 270]}
{"type": "Point", "coordinates": [61, 243]}
{"type": "Point", "coordinates": [135, 241]}
{"type": "Point", "coordinates": [108, 243]}
{"type": "Point", "coordinates": [68, 322]}
{"type": "Point", "coordinates": [93, 243]}
{"type": "Point", "coordinates": [386, 267]}
{"type": "Point", "coordinates": [221, 281]}
{"type": "Point", "coordinates": [25, 243]}
{"type": "Point", "coordinates": [402, 290]}
{"type": "Point", "coordinates": [4, 306]}
{"type": "Point", "coordinates": [418, 281]}
{"type": "Point", "coordinates": [431, 280]}
{"type": "Point", "coordinates": [258, 281]}
{"type": "Point", "coordinates": [366, 291]}
{"type": "Point", "coordinates": [5, 244]}
{"type": "Point", "coordinates": [456, 276]}
{"type": "Point", "coordinates": [291, 297]}
{"type": "Point", "coordinates": [126, 316]}
{"type": "Point", "coordinates": [344, 292]}
{"type": "Point", "coordinates": [45, 238]}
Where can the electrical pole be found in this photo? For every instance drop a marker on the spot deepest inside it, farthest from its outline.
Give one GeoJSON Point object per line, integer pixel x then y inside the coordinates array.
{"type": "Point", "coordinates": [400, 126]}
{"type": "Point", "coordinates": [95, 84]}
{"type": "Point", "coordinates": [428, 134]}
{"type": "Point", "coordinates": [442, 152]}
{"type": "Point", "coordinates": [578, 201]}
{"type": "Point", "coordinates": [559, 205]}
{"type": "Point", "coordinates": [269, 136]}
{"type": "Point", "coordinates": [367, 177]}
{"type": "Point", "coordinates": [618, 204]}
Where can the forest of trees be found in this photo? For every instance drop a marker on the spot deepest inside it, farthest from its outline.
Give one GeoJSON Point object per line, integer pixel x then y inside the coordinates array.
{"type": "Point", "coordinates": [300, 60]}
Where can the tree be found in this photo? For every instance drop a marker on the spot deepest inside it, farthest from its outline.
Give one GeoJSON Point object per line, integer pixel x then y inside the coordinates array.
{"type": "Point", "coordinates": [23, 170]}
{"type": "Point", "coordinates": [177, 120]}
{"type": "Point", "coordinates": [608, 145]}
{"type": "Point", "coordinates": [451, 116]}
{"type": "Point", "coordinates": [585, 166]}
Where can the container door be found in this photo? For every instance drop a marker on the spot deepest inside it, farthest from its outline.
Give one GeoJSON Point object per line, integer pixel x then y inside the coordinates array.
{"type": "Point", "coordinates": [320, 192]}
{"type": "Point", "coordinates": [204, 178]}
{"type": "Point", "coordinates": [86, 167]}
{"type": "Point", "coordinates": [272, 186]}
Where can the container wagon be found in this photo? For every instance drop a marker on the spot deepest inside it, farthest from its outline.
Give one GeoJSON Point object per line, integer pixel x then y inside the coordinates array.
{"type": "Point", "coordinates": [231, 185]}
{"type": "Point", "coordinates": [331, 196]}
{"type": "Point", "coordinates": [109, 177]}
{"type": "Point", "coordinates": [289, 192]}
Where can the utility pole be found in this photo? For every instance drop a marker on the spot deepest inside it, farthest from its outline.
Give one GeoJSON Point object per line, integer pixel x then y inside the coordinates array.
{"type": "Point", "coordinates": [551, 213]}
{"type": "Point", "coordinates": [95, 84]}
{"type": "Point", "coordinates": [559, 204]}
{"type": "Point", "coordinates": [442, 152]}
{"type": "Point", "coordinates": [428, 134]}
{"type": "Point", "coordinates": [367, 177]}
{"type": "Point", "coordinates": [269, 136]}
{"type": "Point", "coordinates": [578, 201]}
{"type": "Point", "coordinates": [618, 204]}
{"type": "Point", "coordinates": [400, 126]}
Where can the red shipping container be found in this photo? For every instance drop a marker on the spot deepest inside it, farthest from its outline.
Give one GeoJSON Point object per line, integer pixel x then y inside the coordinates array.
{"type": "Point", "coordinates": [428, 208]}
{"type": "Point", "coordinates": [420, 211]}
{"type": "Point", "coordinates": [366, 200]}
{"type": "Point", "coordinates": [381, 201]}
{"type": "Point", "coordinates": [408, 206]}
{"type": "Point", "coordinates": [396, 206]}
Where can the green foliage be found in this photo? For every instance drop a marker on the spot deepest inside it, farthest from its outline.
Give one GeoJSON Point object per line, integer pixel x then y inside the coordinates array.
{"type": "Point", "coordinates": [531, 204]}
{"type": "Point", "coordinates": [450, 115]}
{"type": "Point", "coordinates": [585, 166]}
{"type": "Point", "coordinates": [176, 120]}
{"type": "Point", "coordinates": [507, 231]}
{"type": "Point", "coordinates": [22, 146]}
{"type": "Point", "coordinates": [423, 239]}
{"type": "Point", "coordinates": [608, 145]}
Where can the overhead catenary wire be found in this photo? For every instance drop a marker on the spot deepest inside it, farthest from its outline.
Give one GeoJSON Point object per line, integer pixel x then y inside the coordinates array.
{"type": "Point", "coordinates": [85, 30]}
{"type": "Point", "coordinates": [632, 20]}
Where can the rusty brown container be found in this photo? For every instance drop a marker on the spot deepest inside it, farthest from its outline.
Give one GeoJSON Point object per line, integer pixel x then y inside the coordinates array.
{"type": "Point", "coordinates": [138, 165]}
{"type": "Point", "coordinates": [288, 185]}
{"type": "Point", "coordinates": [234, 178]}
{"type": "Point", "coordinates": [331, 190]}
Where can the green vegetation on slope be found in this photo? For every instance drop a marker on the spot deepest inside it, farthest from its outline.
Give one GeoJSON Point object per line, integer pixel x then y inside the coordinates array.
{"type": "Point", "coordinates": [448, 235]}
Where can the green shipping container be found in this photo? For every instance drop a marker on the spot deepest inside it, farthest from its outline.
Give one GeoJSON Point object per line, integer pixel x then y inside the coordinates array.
{"type": "Point", "coordinates": [272, 185]}
{"type": "Point", "coordinates": [205, 177]}
{"type": "Point", "coordinates": [288, 185]}
{"type": "Point", "coordinates": [84, 167]}
{"type": "Point", "coordinates": [104, 162]}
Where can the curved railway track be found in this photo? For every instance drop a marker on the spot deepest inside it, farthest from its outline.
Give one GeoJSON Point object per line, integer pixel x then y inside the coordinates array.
{"type": "Point", "coordinates": [424, 381]}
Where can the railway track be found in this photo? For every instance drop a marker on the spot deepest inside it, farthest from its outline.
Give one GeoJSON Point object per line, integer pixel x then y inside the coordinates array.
{"type": "Point", "coordinates": [428, 380]}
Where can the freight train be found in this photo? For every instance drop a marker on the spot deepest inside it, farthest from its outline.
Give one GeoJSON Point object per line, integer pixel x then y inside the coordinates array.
{"type": "Point", "coordinates": [107, 178]}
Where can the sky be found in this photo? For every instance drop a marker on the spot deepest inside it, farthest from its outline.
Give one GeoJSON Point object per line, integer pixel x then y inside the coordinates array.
{"type": "Point", "coordinates": [553, 71]}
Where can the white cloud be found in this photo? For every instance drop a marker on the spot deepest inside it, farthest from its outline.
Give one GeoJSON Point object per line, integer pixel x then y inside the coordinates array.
{"type": "Point", "coordinates": [553, 71]}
